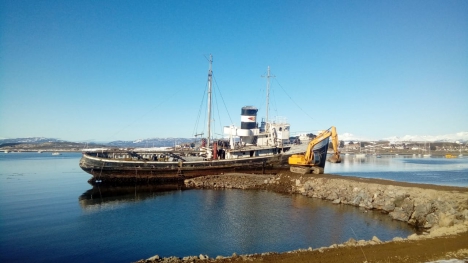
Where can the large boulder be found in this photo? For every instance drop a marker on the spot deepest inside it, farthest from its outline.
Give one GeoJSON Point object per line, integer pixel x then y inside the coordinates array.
{"type": "Point", "coordinates": [431, 220]}
{"type": "Point", "coordinates": [399, 198]}
{"type": "Point", "coordinates": [408, 205]}
{"type": "Point", "coordinates": [332, 196]}
{"type": "Point", "coordinates": [418, 218]}
{"type": "Point", "coordinates": [389, 205]}
{"type": "Point", "coordinates": [356, 201]}
{"type": "Point", "coordinates": [445, 207]}
{"type": "Point", "coordinates": [379, 202]}
{"type": "Point", "coordinates": [399, 214]}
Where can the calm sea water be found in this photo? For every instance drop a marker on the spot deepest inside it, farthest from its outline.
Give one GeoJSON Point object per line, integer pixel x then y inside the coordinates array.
{"type": "Point", "coordinates": [49, 213]}
{"type": "Point", "coordinates": [435, 170]}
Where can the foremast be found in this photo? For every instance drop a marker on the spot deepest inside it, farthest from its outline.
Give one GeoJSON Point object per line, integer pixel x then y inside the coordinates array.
{"type": "Point", "coordinates": [268, 76]}
{"type": "Point", "coordinates": [208, 138]}
{"type": "Point", "coordinates": [267, 122]}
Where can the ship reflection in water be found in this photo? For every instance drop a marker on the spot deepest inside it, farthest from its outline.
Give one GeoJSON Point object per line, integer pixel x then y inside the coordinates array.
{"type": "Point", "coordinates": [112, 196]}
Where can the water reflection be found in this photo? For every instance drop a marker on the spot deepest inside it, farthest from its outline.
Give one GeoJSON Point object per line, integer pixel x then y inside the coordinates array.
{"type": "Point", "coordinates": [109, 195]}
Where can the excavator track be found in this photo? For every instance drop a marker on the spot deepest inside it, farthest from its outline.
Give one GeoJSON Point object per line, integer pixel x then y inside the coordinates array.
{"type": "Point", "coordinates": [317, 170]}
{"type": "Point", "coordinates": [306, 170]}
{"type": "Point", "coordinates": [300, 169]}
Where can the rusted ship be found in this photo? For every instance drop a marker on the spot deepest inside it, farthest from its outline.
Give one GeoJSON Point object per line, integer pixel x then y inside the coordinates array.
{"type": "Point", "coordinates": [250, 148]}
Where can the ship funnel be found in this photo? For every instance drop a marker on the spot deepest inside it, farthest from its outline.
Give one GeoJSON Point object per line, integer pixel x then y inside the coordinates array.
{"type": "Point", "coordinates": [249, 117]}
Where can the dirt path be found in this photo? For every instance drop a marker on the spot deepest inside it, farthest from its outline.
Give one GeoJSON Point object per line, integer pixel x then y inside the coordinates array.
{"type": "Point", "coordinates": [404, 251]}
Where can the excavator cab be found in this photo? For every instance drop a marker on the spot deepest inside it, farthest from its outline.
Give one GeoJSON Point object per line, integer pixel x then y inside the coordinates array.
{"type": "Point", "coordinates": [299, 159]}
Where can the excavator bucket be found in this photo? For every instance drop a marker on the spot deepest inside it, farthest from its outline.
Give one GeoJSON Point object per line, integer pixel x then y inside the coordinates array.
{"type": "Point", "coordinates": [334, 159]}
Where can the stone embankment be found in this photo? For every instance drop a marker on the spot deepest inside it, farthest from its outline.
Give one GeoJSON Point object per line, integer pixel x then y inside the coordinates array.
{"type": "Point", "coordinates": [421, 207]}
{"type": "Point", "coordinates": [436, 210]}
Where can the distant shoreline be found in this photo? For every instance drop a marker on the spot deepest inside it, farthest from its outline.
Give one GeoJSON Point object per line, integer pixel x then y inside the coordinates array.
{"type": "Point", "coordinates": [436, 149]}
{"type": "Point", "coordinates": [350, 153]}
{"type": "Point", "coordinates": [37, 151]}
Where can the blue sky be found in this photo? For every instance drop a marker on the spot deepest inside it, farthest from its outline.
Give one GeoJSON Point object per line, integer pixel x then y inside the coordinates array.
{"type": "Point", "coordinates": [126, 70]}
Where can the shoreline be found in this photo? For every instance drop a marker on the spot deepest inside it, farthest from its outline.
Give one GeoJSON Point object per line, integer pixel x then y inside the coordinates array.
{"type": "Point", "coordinates": [398, 152]}
{"type": "Point", "coordinates": [443, 238]}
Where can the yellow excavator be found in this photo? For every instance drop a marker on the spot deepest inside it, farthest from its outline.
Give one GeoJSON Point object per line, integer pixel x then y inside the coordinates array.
{"type": "Point", "coordinates": [308, 162]}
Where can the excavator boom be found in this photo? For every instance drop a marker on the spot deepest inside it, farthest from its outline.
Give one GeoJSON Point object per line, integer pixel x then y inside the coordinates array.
{"type": "Point", "coordinates": [305, 163]}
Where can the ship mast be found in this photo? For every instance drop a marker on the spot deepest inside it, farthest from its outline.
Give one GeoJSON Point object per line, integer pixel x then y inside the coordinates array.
{"type": "Point", "coordinates": [210, 74]}
{"type": "Point", "coordinates": [268, 76]}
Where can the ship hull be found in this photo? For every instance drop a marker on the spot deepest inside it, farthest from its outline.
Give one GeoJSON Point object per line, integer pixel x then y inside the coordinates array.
{"type": "Point", "coordinates": [115, 171]}
{"type": "Point", "coordinates": [125, 172]}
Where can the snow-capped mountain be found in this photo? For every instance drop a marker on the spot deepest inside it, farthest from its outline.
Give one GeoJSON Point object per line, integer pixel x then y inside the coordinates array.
{"type": "Point", "coordinates": [30, 140]}
{"type": "Point", "coordinates": [461, 137]}
{"type": "Point", "coordinates": [454, 137]}
{"type": "Point", "coordinates": [153, 142]}
{"type": "Point", "coordinates": [347, 137]}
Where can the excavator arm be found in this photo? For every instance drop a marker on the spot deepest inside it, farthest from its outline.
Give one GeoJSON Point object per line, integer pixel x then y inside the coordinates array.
{"type": "Point", "coordinates": [335, 158]}
{"type": "Point", "coordinates": [303, 163]}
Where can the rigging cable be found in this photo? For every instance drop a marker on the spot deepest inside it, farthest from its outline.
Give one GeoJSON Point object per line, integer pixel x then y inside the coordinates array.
{"type": "Point", "coordinates": [217, 92]}
{"type": "Point", "coordinates": [199, 113]}
{"type": "Point", "coordinates": [275, 107]}
{"type": "Point", "coordinates": [293, 100]}
{"type": "Point", "coordinates": [222, 99]}
{"type": "Point", "coordinates": [217, 110]}
{"type": "Point", "coordinates": [147, 112]}
{"type": "Point", "coordinates": [262, 92]}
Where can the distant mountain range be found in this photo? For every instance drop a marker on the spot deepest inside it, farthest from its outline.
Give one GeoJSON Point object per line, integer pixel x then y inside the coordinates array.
{"type": "Point", "coordinates": [460, 137]}
{"type": "Point", "coordinates": [153, 142]}
{"type": "Point", "coordinates": [30, 140]}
